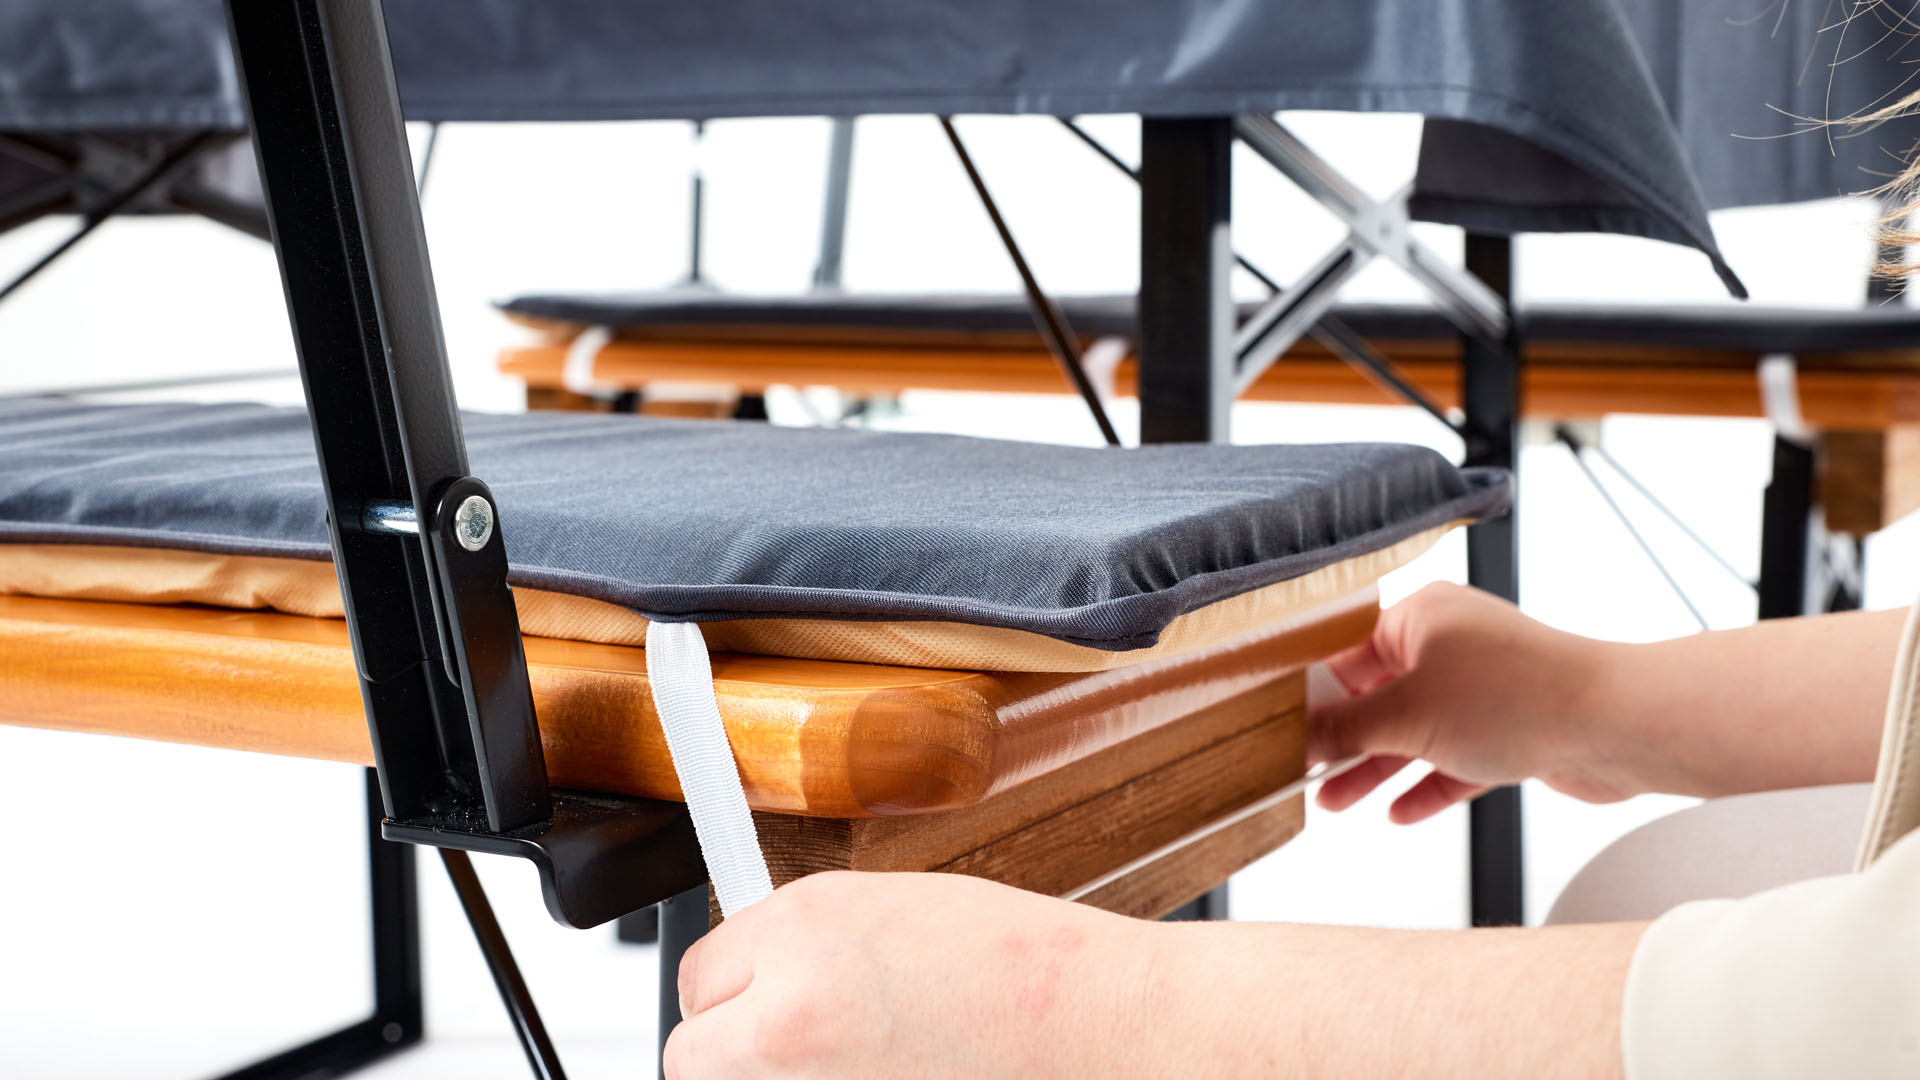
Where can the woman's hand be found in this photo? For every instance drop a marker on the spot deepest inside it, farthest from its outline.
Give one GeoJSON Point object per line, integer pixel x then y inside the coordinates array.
{"type": "Point", "coordinates": [913, 975]}
{"type": "Point", "coordinates": [1458, 678]}
{"type": "Point", "coordinates": [910, 976]}
{"type": "Point", "coordinates": [1455, 677]}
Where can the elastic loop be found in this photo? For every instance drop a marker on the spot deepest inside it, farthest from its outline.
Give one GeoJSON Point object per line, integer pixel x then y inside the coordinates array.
{"type": "Point", "coordinates": [682, 680]}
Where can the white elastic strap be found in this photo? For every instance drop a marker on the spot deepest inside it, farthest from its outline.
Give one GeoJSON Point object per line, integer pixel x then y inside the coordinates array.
{"type": "Point", "coordinates": [577, 373]}
{"type": "Point", "coordinates": [1101, 362]}
{"type": "Point", "coordinates": [1780, 397]}
{"type": "Point", "coordinates": [682, 680]}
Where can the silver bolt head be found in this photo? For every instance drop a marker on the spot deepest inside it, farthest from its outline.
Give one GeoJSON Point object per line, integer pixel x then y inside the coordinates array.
{"type": "Point", "coordinates": [473, 523]}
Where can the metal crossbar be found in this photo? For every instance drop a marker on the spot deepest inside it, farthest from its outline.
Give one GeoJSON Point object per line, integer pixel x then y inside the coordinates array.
{"type": "Point", "coordinates": [169, 163]}
{"type": "Point", "coordinates": [527, 1025]}
{"type": "Point", "coordinates": [1375, 229]}
{"type": "Point", "coordinates": [1047, 316]}
{"type": "Point", "coordinates": [100, 179]}
{"type": "Point", "coordinates": [1577, 447]}
{"type": "Point", "coordinates": [1670, 514]}
{"type": "Point", "coordinates": [833, 211]}
{"type": "Point", "coordinates": [1329, 330]}
{"type": "Point", "coordinates": [425, 168]}
{"type": "Point", "coordinates": [1282, 321]}
{"type": "Point", "coordinates": [1380, 227]}
{"type": "Point", "coordinates": [1347, 344]}
{"type": "Point", "coordinates": [88, 164]}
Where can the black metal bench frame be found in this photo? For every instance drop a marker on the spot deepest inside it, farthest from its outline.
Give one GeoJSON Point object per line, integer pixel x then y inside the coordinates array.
{"type": "Point", "coordinates": [417, 539]}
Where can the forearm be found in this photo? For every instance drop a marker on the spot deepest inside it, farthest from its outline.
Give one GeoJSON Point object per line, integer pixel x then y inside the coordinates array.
{"type": "Point", "coordinates": [1781, 704]}
{"type": "Point", "coordinates": [1243, 1000]}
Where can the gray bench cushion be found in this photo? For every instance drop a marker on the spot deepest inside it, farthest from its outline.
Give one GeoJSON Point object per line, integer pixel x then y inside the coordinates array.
{"type": "Point", "coordinates": [698, 520]}
{"type": "Point", "coordinates": [1743, 327]}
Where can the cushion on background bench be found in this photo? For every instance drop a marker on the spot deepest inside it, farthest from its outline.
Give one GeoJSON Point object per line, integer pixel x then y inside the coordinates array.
{"type": "Point", "coordinates": [910, 318]}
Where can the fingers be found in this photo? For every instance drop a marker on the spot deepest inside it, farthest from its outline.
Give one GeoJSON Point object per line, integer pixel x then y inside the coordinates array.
{"type": "Point", "coordinates": [1388, 721]}
{"type": "Point", "coordinates": [1434, 793]}
{"type": "Point", "coordinates": [1356, 783]}
{"type": "Point", "coordinates": [716, 968]}
{"type": "Point", "coordinates": [708, 1047]}
{"type": "Point", "coordinates": [1359, 668]}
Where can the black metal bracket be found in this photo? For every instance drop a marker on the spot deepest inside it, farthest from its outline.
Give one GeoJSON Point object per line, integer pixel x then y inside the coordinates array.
{"type": "Point", "coordinates": [599, 857]}
{"type": "Point", "coordinates": [417, 541]}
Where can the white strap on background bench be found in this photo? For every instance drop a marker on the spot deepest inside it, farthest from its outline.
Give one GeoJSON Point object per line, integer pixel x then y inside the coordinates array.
{"type": "Point", "coordinates": [682, 682]}
{"type": "Point", "coordinates": [576, 374]}
{"type": "Point", "coordinates": [1780, 398]}
{"type": "Point", "coordinates": [1102, 363]}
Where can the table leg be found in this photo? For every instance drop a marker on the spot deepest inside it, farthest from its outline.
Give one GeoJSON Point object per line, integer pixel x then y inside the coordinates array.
{"type": "Point", "coordinates": [1491, 384]}
{"type": "Point", "coordinates": [1186, 305]}
{"type": "Point", "coordinates": [683, 921]}
{"type": "Point", "coordinates": [1186, 264]}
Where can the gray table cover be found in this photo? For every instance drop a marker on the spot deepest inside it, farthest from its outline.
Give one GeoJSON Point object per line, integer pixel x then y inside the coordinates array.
{"type": "Point", "coordinates": [1746, 84]}
{"type": "Point", "coordinates": [1736, 73]}
{"type": "Point", "coordinates": [693, 520]}
{"type": "Point", "coordinates": [1556, 123]}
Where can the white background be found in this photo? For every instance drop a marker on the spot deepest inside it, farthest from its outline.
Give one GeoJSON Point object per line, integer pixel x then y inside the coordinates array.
{"type": "Point", "coordinates": [171, 912]}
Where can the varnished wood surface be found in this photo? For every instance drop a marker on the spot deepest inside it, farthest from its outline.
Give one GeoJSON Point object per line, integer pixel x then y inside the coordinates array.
{"type": "Point", "coordinates": [812, 737]}
{"type": "Point", "coordinates": [1862, 391]}
{"type": "Point", "coordinates": [1869, 479]}
{"type": "Point", "coordinates": [1137, 802]}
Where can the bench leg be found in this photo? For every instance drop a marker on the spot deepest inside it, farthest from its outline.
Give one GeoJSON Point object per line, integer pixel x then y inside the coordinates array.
{"type": "Point", "coordinates": [1797, 556]}
{"type": "Point", "coordinates": [638, 928]}
{"type": "Point", "coordinates": [751, 407]}
{"type": "Point", "coordinates": [683, 920]}
{"type": "Point", "coordinates": [1211, 907]}
{"type": "Point", "coordinates": [1785, 525]}
{"type": "Point", "coordinates": [396, 1022]}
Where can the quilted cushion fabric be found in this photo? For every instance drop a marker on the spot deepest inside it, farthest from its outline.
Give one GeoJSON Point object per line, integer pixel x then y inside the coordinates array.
{"type": "Point", "coordinates": [699, 520]}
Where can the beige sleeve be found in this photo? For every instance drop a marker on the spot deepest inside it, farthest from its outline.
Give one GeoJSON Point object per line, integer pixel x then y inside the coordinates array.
{"type": "Point", "coordinates": [1819, 978]}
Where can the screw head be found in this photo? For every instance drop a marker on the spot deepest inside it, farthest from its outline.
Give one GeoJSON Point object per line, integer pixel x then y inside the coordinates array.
{"type": "Point", "coordinates": [473, 523]}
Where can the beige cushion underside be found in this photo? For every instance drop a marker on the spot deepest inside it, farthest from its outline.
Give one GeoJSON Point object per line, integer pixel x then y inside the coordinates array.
{"type": "Point", "coordinates": [307, 587]}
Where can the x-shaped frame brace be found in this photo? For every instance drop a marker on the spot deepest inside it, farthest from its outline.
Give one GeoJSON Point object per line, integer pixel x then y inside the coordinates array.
{"type": "Point", "coordinates": [90, 171]}
{"type": "Point", "coordinates": [1375, 229]}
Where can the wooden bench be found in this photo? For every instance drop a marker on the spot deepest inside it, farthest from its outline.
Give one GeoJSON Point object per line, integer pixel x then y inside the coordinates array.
{"type": "Point", "coordinates": [1135, 790]}
{"type": "Point", "coordinates": [1858, 373]}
